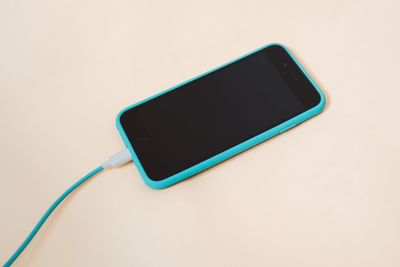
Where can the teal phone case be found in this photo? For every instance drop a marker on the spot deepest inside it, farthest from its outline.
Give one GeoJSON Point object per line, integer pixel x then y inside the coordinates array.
{"type": "Point", "coordinates": [227, 153]}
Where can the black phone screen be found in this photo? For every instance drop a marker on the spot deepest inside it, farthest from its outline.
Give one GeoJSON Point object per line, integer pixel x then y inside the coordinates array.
{"type": "Point", "coordinates": [217, 111]}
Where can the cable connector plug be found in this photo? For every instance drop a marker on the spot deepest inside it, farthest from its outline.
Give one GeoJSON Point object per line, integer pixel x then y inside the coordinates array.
{"type": "Point", "coordinates": [118, 159]}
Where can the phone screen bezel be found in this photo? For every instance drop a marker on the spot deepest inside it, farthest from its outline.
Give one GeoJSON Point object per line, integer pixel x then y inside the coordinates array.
{"type": "Point", "coordinates": [293, 75]}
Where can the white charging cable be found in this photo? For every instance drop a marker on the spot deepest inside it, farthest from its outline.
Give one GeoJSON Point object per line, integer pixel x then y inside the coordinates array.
{"type": "Point", "coordinates": [118, 159]}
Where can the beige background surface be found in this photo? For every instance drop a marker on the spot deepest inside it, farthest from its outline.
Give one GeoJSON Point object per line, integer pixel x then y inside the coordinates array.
{"type": "Point", "coordinates": [326, 193]}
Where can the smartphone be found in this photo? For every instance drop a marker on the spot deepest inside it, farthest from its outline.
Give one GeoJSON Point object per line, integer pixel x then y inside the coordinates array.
{"type": "Point", "coordinates": [203, 121]}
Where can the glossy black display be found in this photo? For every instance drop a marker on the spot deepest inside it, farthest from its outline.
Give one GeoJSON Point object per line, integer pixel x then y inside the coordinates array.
{"type": "Point", "coordinates": [217, 111]}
